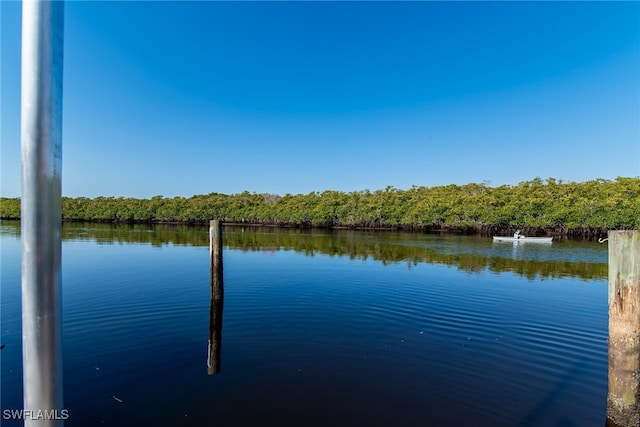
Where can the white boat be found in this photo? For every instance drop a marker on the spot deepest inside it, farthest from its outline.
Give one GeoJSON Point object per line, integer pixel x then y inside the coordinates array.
{"type": "Point", "coordinates": [523, 239]}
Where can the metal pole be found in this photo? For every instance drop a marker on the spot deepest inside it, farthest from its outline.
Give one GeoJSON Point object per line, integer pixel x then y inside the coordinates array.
{"type": "Point", "coordinates": [41, 135]}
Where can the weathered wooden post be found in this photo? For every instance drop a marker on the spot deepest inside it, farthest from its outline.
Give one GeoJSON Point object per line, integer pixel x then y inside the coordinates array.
{"type": "Point", "coordinates": [41, 148]}
{"type": "Point", "coordinates": [217, 297]}
{"type": "Point", "coordinates": [623, 400]}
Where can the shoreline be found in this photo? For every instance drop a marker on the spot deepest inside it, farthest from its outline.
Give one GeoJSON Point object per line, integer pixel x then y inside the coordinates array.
{"type": "Point", "coordinates": [480, 230]}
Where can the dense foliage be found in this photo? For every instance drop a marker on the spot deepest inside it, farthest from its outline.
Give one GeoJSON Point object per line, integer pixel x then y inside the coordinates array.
{"type": "Point", "coordinates": [537, 204]}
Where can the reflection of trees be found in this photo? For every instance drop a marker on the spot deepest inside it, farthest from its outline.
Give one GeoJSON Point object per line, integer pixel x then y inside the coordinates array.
{"type": "Point", "coordinates": [395, 247]}
{"type": "Point", "coordinates": [156, 235]}
{"type": "Point", "coordinates": [386, 247]}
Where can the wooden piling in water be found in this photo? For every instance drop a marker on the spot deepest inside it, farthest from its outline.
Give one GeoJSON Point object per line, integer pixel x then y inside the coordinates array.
{"type": "Point", "coordinates": [217, 297]}
{"type": "Point", "coordinates": [623, 399]}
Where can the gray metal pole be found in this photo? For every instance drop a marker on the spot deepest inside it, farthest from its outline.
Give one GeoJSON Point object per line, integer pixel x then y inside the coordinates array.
{"type": "Point", "coordinates": [41, 135]}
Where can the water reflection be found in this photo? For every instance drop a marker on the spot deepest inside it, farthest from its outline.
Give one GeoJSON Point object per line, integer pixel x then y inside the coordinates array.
{"type": "Point", "coordinates": [472, 254]}
{"type": "Point", "coordinates": [215, 327]}
{"type": "Point", "coordinates": [329, 326]}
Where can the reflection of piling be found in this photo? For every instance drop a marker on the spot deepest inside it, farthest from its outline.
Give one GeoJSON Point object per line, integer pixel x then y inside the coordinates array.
{"type": "Point", "coordinates": [217, 296]}
{"type": "Point", "coordinates": [623, 400]}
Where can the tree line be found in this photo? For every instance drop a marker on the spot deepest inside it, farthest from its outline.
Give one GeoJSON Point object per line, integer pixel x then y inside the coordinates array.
{"type": "Point", "coordinates": [587, 208]}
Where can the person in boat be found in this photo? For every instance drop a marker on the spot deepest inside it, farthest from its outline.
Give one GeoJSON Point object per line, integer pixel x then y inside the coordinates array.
{"type": "Point", "coordinates": [516, 235]}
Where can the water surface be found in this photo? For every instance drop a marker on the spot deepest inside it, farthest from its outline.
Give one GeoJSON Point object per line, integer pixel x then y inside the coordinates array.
{"type": "Point", "coordinates": [336, 328]}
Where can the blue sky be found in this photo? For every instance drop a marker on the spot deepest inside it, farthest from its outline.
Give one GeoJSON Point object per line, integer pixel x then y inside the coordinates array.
{"type": "Point", "coordinates": [183, 98]}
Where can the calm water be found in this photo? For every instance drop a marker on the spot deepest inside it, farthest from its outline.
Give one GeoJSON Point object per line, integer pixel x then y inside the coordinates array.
{"type": "Point", "coordinates": [321, 329]}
